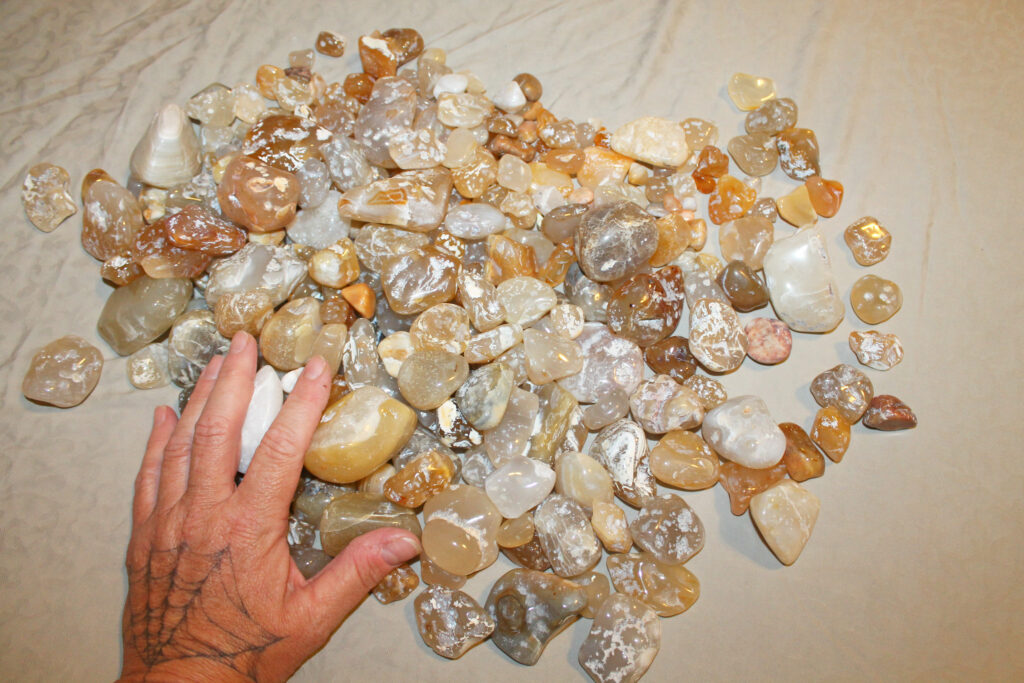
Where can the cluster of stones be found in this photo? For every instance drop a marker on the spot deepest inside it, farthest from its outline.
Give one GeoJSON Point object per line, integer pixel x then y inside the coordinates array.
{"type": "Point", "coordinates": [489, 285]}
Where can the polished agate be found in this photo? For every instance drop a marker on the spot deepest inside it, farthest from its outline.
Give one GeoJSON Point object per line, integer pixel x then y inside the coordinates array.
{"type": "Point", "coordinates": [418, 279]}
{"type": "Point", "coordinates": [671, 356]}
{"type": "Point", "coordinates": [557, 407]}
{"type": "Point", "coordinates": [607, 358]}
{"type": "Point", "coordinates": [45, 196]}
{"type": "Point", "coordinates": [419, 479]}
{"type": "Point", "coordinates": [745, 290]}
{"type": "Point", "coordinates": [550, 356]}
{"type": "Point", "coordinates": [614, 241]}
{"type": "Point", "coordinates": [530, 608]}
{"type": "Point", "coordinates": [519, 485]}
{"type": "Point", "coordinates": [750, 92]}
{"type": "Point", "coordinates": [621, 448]}
{"type": "Point", "coordinates": [661, 404]}
{"type": "Point", "coordinates": [193, 341]}
{"type": "Point", "coordinates": [742, 430]}
{"type": "Point", "coordinates": [610, 525]}
{"type": "Point", "coordinates": [484, 396]}
{"type": "Point", "coordinates": [111, 219]}
{"type": "Point", "coordinates": [351, 514]}
{"type": "Point", "coordinates": [888, 413]}
{"type": "Point", "coordinates": [413, 200]}
{"type": "Point", "coordinates": [877, 350]}
{"type": "Point", "coordinates": [138, 313]}
{"type": "Point", "coordinates": [460, 530]}
{"type": "Point", "coordinates": [641, 310]}
{"type": "Point", "coordinates": [716, 338]}
{"type": "Point", "coordinates": [668, 528]}
{"type": "Point", "coordinates": [667, 589]}
{"type": "Point", "coordinates": [357, 434]}
{"type": "Point", "coordinates": [708, 389]}
{"type": "Point", "coordinates": [653, 140]}
{"type": "Point", "coordinates": [580, 477]}
{"type": "Point", "coordinates": [451, 622]}
{"type": "Point", "coordinates": [428, 378]}
{"type": "Point", "coordinates": [785, 515]}
{"type": "Point", "coordinates": [875, 299]}
{"type": "Point", "coordinates": [511, 436]}
{"type": "Point", "coordinates": [147, 367]}
{"type": "Point", "coordinates": [623, 640]}
{"type": "Point", "coordinates": [798, 153]}
{"type": "Point", "coordinates": [868, 240]}
{"type": "Point", "coordinates": [63, 373]}
{"type": "Point", "coordinates": [802, 458]}
{"type": "Point", "coordinates": [287, 338]}
{"type": "Point", "coordinates": [846, 388]}
{"type": "Point", "coordinates": [399, 583]}
{"type": "Point", "coordinates": [258, 196]}
{"type": "Point", "coordinates": [271, 269]}
{"type": "Point", "coordinates": [564, 531]}
{"type": "Point", "coordinates": [803, 289]}
{"type": "Point", "coordinates": [684, 460]}
{"type": "Point", "coordinates": [443, 327]}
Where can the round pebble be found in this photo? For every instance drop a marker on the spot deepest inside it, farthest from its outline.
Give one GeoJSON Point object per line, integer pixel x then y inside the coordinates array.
{"type": "Point", "coordinates": [769, 341]}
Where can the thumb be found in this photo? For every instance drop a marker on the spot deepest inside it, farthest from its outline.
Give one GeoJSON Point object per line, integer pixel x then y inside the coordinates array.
{"type": "Point", "coordinates": [341, 585]}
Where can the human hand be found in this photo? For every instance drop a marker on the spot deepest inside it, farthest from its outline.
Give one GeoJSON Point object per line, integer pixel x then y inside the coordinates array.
{"type": "Point", "coordinates": [213, 593]}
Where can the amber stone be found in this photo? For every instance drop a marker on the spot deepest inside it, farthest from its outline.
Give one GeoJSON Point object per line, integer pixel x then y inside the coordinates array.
{"type": "Point", "coordinates": [868, 241]}
{"type": "Point", "coordinates": [712, 164]}
{"type": "Point", "coordinates": [530, 86]}
{"type": "Point", "coordinates": [798, 153]}
{"type": "Point", "coordinates": [258, 196]}
{"type": "Point", "coordinates": [802, 458]}
{"type": "Point", "coordinates": [422, 477]}
{"type": "Point", "coordinates": [889, 413]}
{"type": "Point", "coordinates": [683, 459]}
{"type": "Point", "coordinates": [875, 299]}
{"type": "Point", "coordinates": [405, 43]}
{"type": "Point", "coordinates": [831, 432]}
{"type": "Point", "coordinates": [336, 266]}
{"type": "Point", "coordinates": [358, 86]}
{"type": "Point", "coordinates": [63, 373]}
{"type": "Point", "coordinates": [111, 219]}
{"type": "Point", "coordinates": [120, 270]}
{"type": "Point", "coordinates": [45, 196]}
{"type": "Point", "coordinates": [158, 256]}
{"type": "Point", "coordinates": [772, 117]}
{"type": "Point", "coordinates": [399, 583]}
{"type": "Point", "coordinates": [755, 154]}
{"type": "Point", "coordinates": [731, 199]}
{"type": "Point", "coordinates": [746, 239]}
{"type": "Point", "coordinates": [248, 310]}
{"type": "Point", "coordinates": [671, 356]}
{"type": "Point", "coordinates": [361, 297]}
{"type": "Point", "coordinates": [376, 56]}
{"type": "Point", "coordinates": [826, 195]}
{"type": "Point", "coordinates": [418, 279]}
{"type": "Point", "coordinates": [507, 259]}
{"type": "Point", "coordinates": [844, 387]}
{"type": "Point", "coordinates": [796, 208]}
{"type": "Point", "coordinates": [555, 269]}
{"type": "Point", "coordinates": [194, 227]}
{"type": "Point", "coordinates": [743, 483]}
{"type": "Point", "coordinates": [267, 77]}
{"type": "Point", "coordinates": [640, 310]}
{"type": "Point", "coordinates": [336, 309]}
{"type": "Point", "coordinates": [745, 290]}
{"type": "Point", "coordinates": [474, 178]}
{"type": "Point", "coordinates": [530, 555]}
{"type": "Point", "coordinates": [667, 589]}
{"type": "Point", "coordinates": [330, 44]}
{"type": "Point", "coordinates": [674, 236]}
{"type": "Point", "coordinates": [615, 241]}
{"type": "Point", "coordinates": [284, 141]}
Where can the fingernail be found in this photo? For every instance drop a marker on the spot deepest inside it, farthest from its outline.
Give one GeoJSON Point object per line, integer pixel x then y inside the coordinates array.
{"type": "Point", "coordinates": [315, 368]}
{"type": "Point", "coordinates": [239, 342]}
{"type": "Point", "coordinates": [399, 550]}
{"type": "Point", "coordinates": [159, 416]}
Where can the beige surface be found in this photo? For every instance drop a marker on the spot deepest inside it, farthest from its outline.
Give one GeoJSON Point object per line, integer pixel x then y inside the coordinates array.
{"type": "Point", "coordinates": [913, 570]}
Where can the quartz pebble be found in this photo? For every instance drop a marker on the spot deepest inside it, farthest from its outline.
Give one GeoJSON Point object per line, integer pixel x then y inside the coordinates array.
{"type": "Point", "coordinates": [754, 153]}
{"type": "Point", "coordinates": [716, 338]}
{"type": "Point", "coordinates": [743, 483]}
{"type": "Point", "coordinates": [550, 357]}
{"type": "Point", "coordinates": [667, 589]}
{"type": "Point", "coordinates": [606, 357]}
{"type": "Point", "coordinates": [258, 196]}
{"type": "Point", "coordinates": [653, 140]}
{"type": "Point", "coordinates": [519, 485]}
{"type": "Point", "coordinates": [868, 241]}
{"type": "Point", "coordinates": [451, 622]}
{"type": "Point", "coordinates": [564, 531]}
{"type": "Point", "coordinates": [875, 299]}
{"type": "Point", "coordinates": [611, 527]}
{"type": "Point", "coordinates": [742, 430]}
{"type": "Point", "coordinates": [844, 387]}
{"type": "Point", "coordinates": [831, 432]}
{"type": "Point", "coordinates": [46, 198]}
{"type": "Point", "coordinates": [428, 378]}
{"type": "Point", "coordinates": [484, 396]}
{"type": "Point", "coordinates": [769, 341]}
{"type": "Point", "coordinates": [460, 530]}
{"type": "Point", "coordinates": [798, 153]}
{"type": "Point", "coordinates": [889, 413]}
{"type": "Point", "coordinates": [876, 350]}
{"type": "Point", "coordinates": [671, 356]}
{"type": "Point", "coordinates": [623, 640]}
{"type": "Point", "coordinates": [668, 528]}
{"type": "Point", "coordinates": [111, 219]}
{"type": "Point", "coordinates": [621, 448]}
{"type": "Point", "coordinates": [746, 239]}
{"type": "Point", "coordinates": [708, 389]}
{"type": "Point", "coordinates": [580, 477]}
{"type": "Point", "coordinates": [147, 367]}
{"type": "Point", "coordinates": [785, 515]}
{"type": "Point", "coordinates": [615, 240]}
{"type": "Point", "coordinates": [138, 313]}
{"type": "Point", "coordinates": [399, 583]}
{"type": "Point", "coordinates": [803, 460]}
{"type": "Point", "coordinates": [517, 531]}
{"type": "Point", "coordinates": [750, 92]}
{"type": "Point", "coordinates": [424, 476]}
{"type": "Point", "coordinates": [744, 289]}
{"type": "Point", "coordinates": [683, 459]}
{"type": "Point", "coordinates": [661, 405]}
{"type": "Point", "coordinates": [803, 289]}
{"type": "Point", "coordinates": [530, 608]}
{"type": "Point", "coordinates": [350, 514]}
{"type": "Point", "coordinates": [63, 373]}
{"type": "Point", "coordinates": [772, 117]}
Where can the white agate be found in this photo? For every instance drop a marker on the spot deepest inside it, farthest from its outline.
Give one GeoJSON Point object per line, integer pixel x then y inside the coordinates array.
{"type": "Point", "coordinates": [519, 485]}
{"type": "Point", "coordinates": [265, 404]}
{"type": "Point", "coordinates": [803, 289]}
{"type": "Point", "coordinates": [742, 430]}
{"type": "Point", "coordinates": [169, 153]}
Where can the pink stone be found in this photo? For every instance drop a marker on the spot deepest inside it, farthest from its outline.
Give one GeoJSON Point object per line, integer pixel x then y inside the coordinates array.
{"type": "Point", "coordinates": [769, 341]}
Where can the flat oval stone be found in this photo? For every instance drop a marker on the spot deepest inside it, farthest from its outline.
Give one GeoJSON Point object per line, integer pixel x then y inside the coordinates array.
{"type": "Point", "coordinates": [529, 609]}
{"type": "Point", "coordinates": [667, 589]}
{"type": "Point", "coordinates": [428, 378]}
{"type": "Point", "coordinates": [451, 622]}
{"type": "Point", "coordinates": [621, 448]}
{"type": "Point", "coordinates": [745, 290]}
{"type": "Point", "coordinates": [515, 532]}
{"type": "Point", "coordinates": [623, 640]}
{"type": "Point", "coordinates": [661, 404]}
{"type": "Point", "coordinates": [519, 485]}
{"type": "Point", "coordinates": [668, 528]}
{"type": "Point", "coordinates": [566, 535]}
{"type": "Point", "coordinates": [769, 341]}
{"type": "Point", "coordinates": [750, 92]}
{"type": "Point", "coordinates": [785, 515]}
{"type": "Point", "coordinates": [357, 434]}
{"type": "Point", "coordinates": [683, 459]}
{"type": "Point", "coordinates": [264, 405]}
{"type": "Point", "coordinates": [138, 313]}
{"type": "Point", "coordinates": [716, 338]}
{"type": "Point", "coordinates": [889, 413]}
{"type": "Point", "coordinates": [460, 532]}
{"type": "Point", "coordinates": [875, 299]}
{"type": "Point", "coordinates": [742, 430]}
{"type": "Point", "coordinates": [615, 240]}
{"type": "Point", "coordinates": [803, 289]}
{"type": "Point", "coordinates": [876, 349]}
{"type": "Point", "coordinates": [63, 373]}
{"type": "Point", "coordinates": [755, 153]}
{"type": "Point", "coordinates": [607, 358]}
{"type": "Point", "coordinates": [846, 388]}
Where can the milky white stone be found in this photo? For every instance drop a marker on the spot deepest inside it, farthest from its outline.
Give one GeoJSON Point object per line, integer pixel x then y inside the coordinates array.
{"type": "Point", "coordinates": [550, 356]}
{"type": "Point", "coordinates": [803, 289]}
{"type": "Point", "coordinates": [475, 221]}
{"type": "Point", "coordinates": [265, 404]}
{"type": "Point", "coordinates": [519, 485]}
{"type": "Point", "coordinates": [657, 141]}
{"type": "Point", "coordinates": [607, 358]}
{"type": "Point", "coordinates": [509, 97]}
{"type": "Point", "coordinates": [785, 515]}
{"type": "Point", "coordinates": [450, 83]}
{"type": "Point", "coordinates": [526, 299]}
{"type": "Point", "coordinates": [290, 378]}
{"type": "Point", "coordinates": [742, 430]}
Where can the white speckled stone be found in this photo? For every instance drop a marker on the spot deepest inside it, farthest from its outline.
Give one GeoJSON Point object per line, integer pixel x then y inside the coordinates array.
{"type": "Point", "coordinates": [742, 430]}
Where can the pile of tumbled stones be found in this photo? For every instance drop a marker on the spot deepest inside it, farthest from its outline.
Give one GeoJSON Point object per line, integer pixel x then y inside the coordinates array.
{"type": "Point", "coordinates": [489, 284]}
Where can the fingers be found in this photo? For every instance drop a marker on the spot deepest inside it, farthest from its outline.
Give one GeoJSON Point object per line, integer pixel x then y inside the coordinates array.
{"type": "Point", "coordinates": [218, 431]}
{"type": "Point", "coordinates": [174, 469]}
{"type": "Point", "coordinates": [341, 585]}
{"type": "Point", "coordinates": [148, 478]}
{"type": "Point", "coordinates": [271, 479]}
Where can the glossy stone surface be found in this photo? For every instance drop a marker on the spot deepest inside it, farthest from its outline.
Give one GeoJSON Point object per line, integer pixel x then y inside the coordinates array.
{"type": "Point", "coordinates": [844, 387]}
{"type": "Point", "coordinates": [428, 378]}
{"type": "Point", "coordinates": [550, 357]}
{"type": "Point", "coordinates": [785, 515]}
{"type": "Point", "coordinates": [614, 241]}
{"type": "Point", "coordinates": [610, 525]}
{"type": "Point", "coordinates": [668, 528]}
{"type": "Point", "coordinates": [286, 341]}
{"type": "Point", "coordinates": [451, 622]}
{"type": "Point", "coordinates": [683, 459]}
{"type": "Point", "coordinates": [191, 344]}
{"type": "Point", "coordinates": [138, 313]}
{"type": "Point", "coordinates": [709, 390]}
{"type": "Point", "coordinates": [868, 240]}
{"type": "Point", "coordinates": [399, 583]}
{"type": "Point", "coordinates": [667, 589]}
{"type": "Point", "coordinates": [274, 270]}
{"type": "Point", "coordinates": [351, 514]}
{"type": "Point", "coordinates": [641, 310]}
{"type": "Point", "coordinates": [743, 483]}
{"type": "Point", "coordinates": [264, 405]}
{"type": "Point", "coordinates": [525, 300]}
{"type": "Point", "coordinates": [111, 219]}
{"type": "Point", "coordinates": [875, 299]}
{"type": "Point", "coordinates": [826, 195]}
{"type": "Point", "coordinates": [769, 341]}
{"type": "Point", "coordinates": [480, 299]}
{"type": "Point", "coordinates": [583, 479]}
{"type": "Point", "coordinates": [357, 434]}
{"type": "Point", "coordinates": [45, 196]}
{"type": "Point", "coordinates": [730, 200]}
{"type": "Point", "coordinates": [653, 140]}
{"type": "Point", "coordinates": [607, 358]}
{"type": "Point", "coordinates": [889, 413]}
{"type": "Point", "coordinates": [621, 448]}
{"type": "Point", "coordinates": [147, 367]}
{"type": "Point", "coordinates": [557, 407]}
{"type": "Point", "coordinates": [876, 350]}
{"type": "Point", "coordinates": [831, 432]}
{"type": "Point", "coordinates": [623, 641]}
{"type": "Point", "coordinates": [529, 609]}
{"type": "Point", "coordinates": [755, 153]}
{"type": "Point", "coordinates": [518, 485]}
{"type": "Point", "coordinates": [798, 153]}
{"type": "Point", "coordinates": [418, 480]}
{"type": "Point", "coordinates": [750, 92]}
{"type": "Point", "coordinates": [195, 227]}
{"type": "Point", "coordinates": [796, 208]}
{"type": "Point", "coordinates": [661, 404]}
{"type": "Point", "coordinates": [159, 258]}
{"type": "Point", "coordinates": [772, 117]}
{"type": "Point", "coordinates": [716, 338]}
{"type": "Point", "coordinates": [803, 460]}
{"type": "Point", "coordinates": [63, 373]}
{"type": "Point", "coordinates": [529, 555]}
{"type": "Point", "coordinates": [418, 279]}
{"type": "Point", "coordinates": [169, 152]}
{"type": "Point", "coordinates": [745, 290]}
{"type": "Point", "coordinates": [460, 530]}
{"type": "Point", "coordinates": [564, 531]}
{"type": "Point", "coordinates": [511, 436]}
{"type": "Point", "coordinates": [803, 289]}
{"type": "Point", "coordinates": [414, 200]}
{"type": "Point", "coordinates": [484, 396]}
{"type": "Point", "coordinates": [515, 532]}
{"type": "Point", "coordinates": [258, 196]}
{"type": "Point", "coordinates": [671, 356]}
{"type": "Point", "coordinates": [742, 430]}
{"type": "Point", "coordinates": [746, 239]}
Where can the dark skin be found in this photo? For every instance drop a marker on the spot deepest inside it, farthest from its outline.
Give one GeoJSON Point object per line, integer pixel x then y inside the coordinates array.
{"type": "Point", "coordinates": [213, 593]}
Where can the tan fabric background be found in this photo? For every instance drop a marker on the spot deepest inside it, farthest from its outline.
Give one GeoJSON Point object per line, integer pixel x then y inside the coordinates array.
{"type": "Point", "coordinates": [913, 570]}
